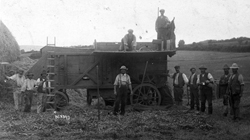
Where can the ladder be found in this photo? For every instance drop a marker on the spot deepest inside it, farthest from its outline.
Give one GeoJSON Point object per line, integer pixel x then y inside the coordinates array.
{"type": "Point", "coordinates": [51, 97]}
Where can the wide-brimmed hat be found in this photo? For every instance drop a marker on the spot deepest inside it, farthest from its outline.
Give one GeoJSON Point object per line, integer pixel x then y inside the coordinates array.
{"type": "Point", "coordinates": [177, 66]}
{"type": "Point", "coordinates": [130, 31]}
{"type": "Point", "coordinates": [162, 10]}
{"type": "Point", "coordinates": [202, 67]}
{"type": "Point", "coordinates": [29, 73]}
{"type": "Point", "coordinates": [192, 68]}
{"type": "Point", "coordinates": [234, 66]}
{"type": "Point", "coordinates": [226, 67]}
{"type": "Point", "coordinates": [123, 68]}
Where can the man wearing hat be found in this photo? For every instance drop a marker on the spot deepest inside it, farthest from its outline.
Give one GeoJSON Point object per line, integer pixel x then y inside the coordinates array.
{"type": "Point", "coordinates": [161, 26]}
{"type": "Point", "coordinates": [41, 91]}
{"type": "Point", "coordinates": [128, 41]}
{"type": "Point", "coordinates": [223, 84]}
{"type": "Point", "coordinates": [194, 91]}
{"type": "Point", "coordinates": [206, 82]}
{"type": "Point", "coordinates": [19, 79]}
{"type": "Point", "coordinates": [179, 80]}
{"type": "Point", "coordinates": [236, 88]}
{"type": "Point", "coordinates": [121, 85]}
{"type": "Point", "coordinates": [28, 88]}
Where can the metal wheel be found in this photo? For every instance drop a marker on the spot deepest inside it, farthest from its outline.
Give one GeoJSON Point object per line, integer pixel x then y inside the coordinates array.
{"type": "Point", "coordinates": [61, 100]}
{"type": "Point", "coordinates": [146, 94]}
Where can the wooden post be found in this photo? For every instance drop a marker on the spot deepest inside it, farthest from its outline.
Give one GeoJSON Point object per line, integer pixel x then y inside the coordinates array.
{"type": "Point", "coordinates": [98, 93]}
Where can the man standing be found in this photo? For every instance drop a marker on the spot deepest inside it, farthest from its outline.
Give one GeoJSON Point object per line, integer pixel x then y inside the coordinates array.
{"type": "Point", "coordinates": [121, 86]}
{"type": "Point", "coordinates": [236, 88]}
{"type": "Point", "coordinates": [41, 92]}
{"type": "Point", "coordinates": [19, 78]}
{"type": "Point", "coordinates": [223, 84]}
{"type": "Point", "coordinates": [194, 91]}
{"type": "Point", "coordinates": [161, 26]}
{"type": "Point", "coordinates": [206, 82]}
{"type": "Point", "coordinates": [179, 80]}
{"type": "Point", "coordinates": [28, 89]}
{"type": "Point", "coordinates": [128, 41]}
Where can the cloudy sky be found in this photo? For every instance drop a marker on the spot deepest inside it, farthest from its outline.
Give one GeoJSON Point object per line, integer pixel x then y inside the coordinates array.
{"type": "Point", "coordinates": [80, 22]}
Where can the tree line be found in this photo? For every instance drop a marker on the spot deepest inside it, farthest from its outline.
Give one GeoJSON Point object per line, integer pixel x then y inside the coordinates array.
{"type": "Point", "coordinates": [241, 44]}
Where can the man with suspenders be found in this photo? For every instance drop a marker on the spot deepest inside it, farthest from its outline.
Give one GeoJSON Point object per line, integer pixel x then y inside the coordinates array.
{"type": "Point", "coordinates": [121, 85]}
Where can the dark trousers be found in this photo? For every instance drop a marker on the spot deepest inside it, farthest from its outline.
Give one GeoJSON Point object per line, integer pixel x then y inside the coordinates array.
{"type": "Point", "coordinates": [206, 95]}
{"type": "Point", "coordinates": [194, 95]}
{"type": "Point", "coordinates": [163, 35]}
{"type": "Point", "coordinates": [178, 93]}
{"type": "Point", "coordinates": [121, 98]}
{"type": "Point", "coordinates": [235, 105]}
{"type": "Point", "coordinates": [28, 95]}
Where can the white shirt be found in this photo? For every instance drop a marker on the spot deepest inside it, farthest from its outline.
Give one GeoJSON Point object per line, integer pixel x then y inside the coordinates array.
{"type": "Point", "coordinates": [19, 80]}
{"type": "Point", "coordinates": [177, 76]}
{"type": "Point", "coordinates": [209, 76]}
{"type": "Point", "coordinates": [44, 84]}
{"type": "Point", "coordinates": [122, 79]}
{"type": "Point", "coordinates": [29, 84]}
{"type": "Point", "coordinates": [192, 79]}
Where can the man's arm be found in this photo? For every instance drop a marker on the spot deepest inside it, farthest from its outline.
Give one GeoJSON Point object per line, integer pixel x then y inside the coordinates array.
{"type": "Point", "coordinates": [115, 84]}
{"type": "Point", "coordinates": [156, 25]}
{"type": "Point", "coordinates": [210, 77]}
{"type": "Point", "coordinates": [24, 86]}
{"type": "Point", "coordinates": [130, 85]}
{"type": "Point", "coordinates": [241, 80]}
{"type": "Point", "coordinates": [185, 78]}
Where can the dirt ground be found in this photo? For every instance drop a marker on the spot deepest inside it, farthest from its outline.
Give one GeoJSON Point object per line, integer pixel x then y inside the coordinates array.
{"type": "Point", "coordinates": [171, 123]}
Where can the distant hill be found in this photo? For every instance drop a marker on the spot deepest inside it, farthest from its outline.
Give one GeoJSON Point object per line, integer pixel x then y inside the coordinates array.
{"type": "Point", "coordinates": [240, 44]}
{"type": "Point", "coordinates": [30, 47]}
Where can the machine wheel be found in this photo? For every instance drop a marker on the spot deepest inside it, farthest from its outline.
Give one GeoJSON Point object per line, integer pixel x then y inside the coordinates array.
{"type": "Point", "coordinates": [146, 94]}
{"type": "Point", "coordinates": [61, 100]}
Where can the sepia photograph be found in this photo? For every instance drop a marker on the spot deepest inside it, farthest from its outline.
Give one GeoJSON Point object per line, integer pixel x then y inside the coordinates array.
{"type": "Point", "coordinates": [124, 69]}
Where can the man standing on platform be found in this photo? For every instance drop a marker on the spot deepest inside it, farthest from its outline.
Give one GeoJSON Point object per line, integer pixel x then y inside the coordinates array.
{"type": "Point", "coordinates": [223, 84]}
{"type": "Point", "coordinates": [236, 88]}
{"type": "Point", "coordinates": [161, 26]}
{"type": "Point", "coordinates": [206, 82]}
{"type": "Point", "coordinates": [194, 91]}
{"type": "Point", "coordinates": [179, 80]}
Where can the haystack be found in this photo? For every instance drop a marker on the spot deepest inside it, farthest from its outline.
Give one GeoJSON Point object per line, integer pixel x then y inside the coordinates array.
{"type": "Point", "coordinates": [9, 48]}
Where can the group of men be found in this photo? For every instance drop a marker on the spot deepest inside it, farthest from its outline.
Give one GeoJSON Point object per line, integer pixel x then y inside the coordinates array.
{"type": "Point", "coordinates": [162, 26]}
{"type": "Point", "coordinates": [26, 87]}
{"type": "Point", "coordinates": [231, 87]}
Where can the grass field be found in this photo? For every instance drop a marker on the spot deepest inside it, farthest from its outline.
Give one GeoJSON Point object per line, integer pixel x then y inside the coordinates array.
{"type": "Point", "coordinates": [174, 123]}
{"type": "Point", "coordinates": [214, 61]}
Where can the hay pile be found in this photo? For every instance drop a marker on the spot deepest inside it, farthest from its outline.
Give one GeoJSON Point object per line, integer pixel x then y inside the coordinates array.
{"type": "Point", "coordinates": [9, 48]}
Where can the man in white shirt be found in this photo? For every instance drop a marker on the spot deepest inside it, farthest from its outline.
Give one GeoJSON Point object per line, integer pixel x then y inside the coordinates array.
{"type": "Point", "coordinates": [28, 89]}
{"type": "Point", "coordinates": [128, 42]}
{"type": "Point", "coordinates": [121, 85]}
{"type": "Point", "coordinates": [206, 82]}
{"type": "Point", "coordinates": [179, 80]}
{"type": "Point", "coordinates": [19, 78]}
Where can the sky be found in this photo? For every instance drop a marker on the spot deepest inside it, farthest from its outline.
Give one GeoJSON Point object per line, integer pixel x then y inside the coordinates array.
{"type": "Point", "coordinates": [80, 22]}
